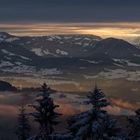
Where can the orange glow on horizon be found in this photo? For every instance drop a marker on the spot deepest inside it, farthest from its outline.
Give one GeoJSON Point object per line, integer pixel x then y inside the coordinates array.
{"type": "Point", "coordinates": [101, 29]}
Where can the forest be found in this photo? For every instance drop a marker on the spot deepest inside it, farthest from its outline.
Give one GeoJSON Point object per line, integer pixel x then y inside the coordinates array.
{"type": "Point", "coordinates": [93, 124]}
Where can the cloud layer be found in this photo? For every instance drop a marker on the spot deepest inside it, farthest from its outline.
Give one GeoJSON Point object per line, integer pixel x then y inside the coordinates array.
{"type": "Point", "coordinates": [120, 30]}
{"type": "Point", "coordinates": [69, 11]}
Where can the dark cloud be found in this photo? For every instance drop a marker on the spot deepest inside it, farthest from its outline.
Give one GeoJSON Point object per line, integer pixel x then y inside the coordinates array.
{"type": "Point", "coordinates": [69, 11]}
{"type": "Point", "coordinates": [72, 2]}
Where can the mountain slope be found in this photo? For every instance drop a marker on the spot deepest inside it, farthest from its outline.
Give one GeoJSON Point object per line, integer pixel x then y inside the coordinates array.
{"type": "Point", "coordinates": [57, 45]}
{"type": "Point", "coordinates": [117, 50]}
{"type": "Point", "coordinates": [16, 59]}
{"type": "Point", "coordinates": [65, 54]}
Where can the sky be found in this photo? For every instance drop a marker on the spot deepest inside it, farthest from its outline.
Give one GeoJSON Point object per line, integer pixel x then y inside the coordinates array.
{"type": "Point", "coordinates": [119, 18]}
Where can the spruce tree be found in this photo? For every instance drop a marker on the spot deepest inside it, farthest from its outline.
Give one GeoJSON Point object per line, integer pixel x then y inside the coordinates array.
{"type": "Point", "coordinates": [23, 127]}
{"type": "Point", "coordinates": [45, 114]}
{"type": "Point", "coordinates": [134, 122]}
{"type": "Point", "coordinates": [97, 99]}
{"type": "Point", "coordinates": [94, 124]}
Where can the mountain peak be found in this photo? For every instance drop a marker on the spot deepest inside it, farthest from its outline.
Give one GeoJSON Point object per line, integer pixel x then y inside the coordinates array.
{"type": "Point", "coordinates": [114, 39]}
{"type": "Point", "coordinates": [116, 48]}
{"type": "Point", "coordinates": [114, 42]}
{"type": "Point", "coordinates": [2, 34]}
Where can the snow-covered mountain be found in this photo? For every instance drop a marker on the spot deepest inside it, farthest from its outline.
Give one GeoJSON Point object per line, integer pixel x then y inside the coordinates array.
{"type": "Point", "coordinates": [59, 45]}
{"type": "Point", "coordinates": [7, 37]}
{"type": "Point", "coordinates": [65, 54]}
{"type": "Point", "coordinates": [116, 48]}
{"type": "Point", "coordinates": [14, 58]}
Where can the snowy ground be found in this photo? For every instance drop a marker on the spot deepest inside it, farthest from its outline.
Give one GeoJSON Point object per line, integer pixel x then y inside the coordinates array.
{"type": "Point", "coordinates": [116, 74]}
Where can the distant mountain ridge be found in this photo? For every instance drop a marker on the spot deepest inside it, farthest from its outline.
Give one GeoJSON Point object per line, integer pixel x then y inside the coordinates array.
{"type": "Point", "coordinates": [57, 45]}
{"type": "Point", "coordinates": [117, 48]}
{"type": "Point", "coordinates": [59, 53]}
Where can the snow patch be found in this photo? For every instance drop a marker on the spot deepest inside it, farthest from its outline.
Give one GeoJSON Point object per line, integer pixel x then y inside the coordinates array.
{"type": "Point", "coordinates": [50, 39]}
{"type": "Point", "coordinates": [58, 51]}
{"type": "Point", "coordinates": [116, 74]}
{"type": "Point", "coordinates": [5, 64]}
{"type": "Point", "coordinates": [37, 51]}
{"type": "Point", "coordinates": [90, 61]}
{"type": "Point", "coordinates": [12, 54]}
{"type": "Point", "coordinates": [47, 52]}
{"type": "Point", "coordinates": [127, 62]}
{"type": "Point", "coordinates": [11, 39]}
{"type": "Point", "coordinates": [7, 52]}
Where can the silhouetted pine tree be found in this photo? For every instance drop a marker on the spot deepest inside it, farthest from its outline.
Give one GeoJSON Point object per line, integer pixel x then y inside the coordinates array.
{"type": "Point", "coordinates": [97, 99]}
{"type": "Point", "coordinates": [134, 122]}
{"type": "Point", "coordinates": [23, 127]}
{"type": "Point", "coordinates": [94, 124]}
{"type": "Point", "coordinates": [45, 114]}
